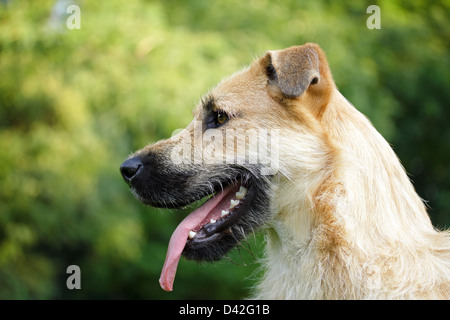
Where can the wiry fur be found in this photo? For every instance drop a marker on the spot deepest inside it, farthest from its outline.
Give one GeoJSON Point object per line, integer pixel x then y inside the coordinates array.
{"type": "Point", "coordinates": [348, 223]}
{"type": "Point", "coordinates": [343, 220]}
{"type": "Point", "coordinates": [358, 230]}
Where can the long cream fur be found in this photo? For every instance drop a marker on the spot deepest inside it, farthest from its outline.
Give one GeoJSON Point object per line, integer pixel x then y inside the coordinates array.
{"type": "Point", "coordinates": [366, 233]}
{"type": "Point", "coordinates": [347, 222]}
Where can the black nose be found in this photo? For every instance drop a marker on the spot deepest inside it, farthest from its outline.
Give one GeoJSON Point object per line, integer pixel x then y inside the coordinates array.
{"type": "Point", "coordinates": [129, 168]}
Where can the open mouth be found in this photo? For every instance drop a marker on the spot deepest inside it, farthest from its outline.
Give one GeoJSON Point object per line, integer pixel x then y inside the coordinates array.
{"type": "Point", "coordinates": [209, 231]}
{"type": "Point", "coordinates": [224, 207]}
{"type": "Point", "coordinates": [236, 203]}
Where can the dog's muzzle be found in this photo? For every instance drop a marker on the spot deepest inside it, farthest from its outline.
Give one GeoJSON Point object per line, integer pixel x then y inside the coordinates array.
{"type": "Point", "coordinates": [234, 201]}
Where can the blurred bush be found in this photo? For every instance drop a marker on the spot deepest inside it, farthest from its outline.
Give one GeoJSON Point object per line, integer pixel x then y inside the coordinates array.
{"type": "Point", "coordinates": [75, 103]}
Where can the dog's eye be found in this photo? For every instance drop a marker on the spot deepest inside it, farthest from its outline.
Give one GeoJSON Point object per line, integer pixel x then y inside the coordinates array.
{"type": "Point", "coordinates": [215, 119]}
{"type": "Point", "coordinates": [315, 80]}
{"type": "Point", "coordinates": [221, 118]}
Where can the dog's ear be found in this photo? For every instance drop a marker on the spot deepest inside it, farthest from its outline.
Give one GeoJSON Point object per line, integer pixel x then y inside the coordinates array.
{"type": "Point", "coordinates": [295, 69]}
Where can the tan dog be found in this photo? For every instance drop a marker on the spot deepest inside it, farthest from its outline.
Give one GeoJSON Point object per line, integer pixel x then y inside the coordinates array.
{"type": "Point", "coordinates": [342, 219]}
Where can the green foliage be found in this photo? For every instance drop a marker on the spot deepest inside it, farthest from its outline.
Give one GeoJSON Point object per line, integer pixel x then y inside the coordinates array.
{"type": "Point", "coordinates": [75, 103]}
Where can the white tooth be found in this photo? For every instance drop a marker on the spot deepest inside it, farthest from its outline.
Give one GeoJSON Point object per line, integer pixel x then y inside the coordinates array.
{"type": "Point", "coordinates": [212, 221]}
{"type": "Point", "coordinates": [233, 203]}
{"type": "Point", "coordinates": [239, 195]}
{"type": "Point", "coordinates": [243, 190]}
{"type": "Point", "coordinates": [192, 234]}
{"type": "Point", "coordinates": [224, 213]}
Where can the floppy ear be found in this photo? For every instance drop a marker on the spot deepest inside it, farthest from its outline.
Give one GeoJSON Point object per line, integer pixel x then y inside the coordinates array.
{"type": "Point", "coordinates": [294, 69]}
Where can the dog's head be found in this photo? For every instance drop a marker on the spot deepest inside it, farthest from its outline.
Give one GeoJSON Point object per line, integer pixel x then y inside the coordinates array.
{"type": "Point", "coordinates": [254, 129]}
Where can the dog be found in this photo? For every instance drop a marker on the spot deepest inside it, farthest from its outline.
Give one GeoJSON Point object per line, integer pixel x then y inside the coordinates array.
{"type": "Point", "coordinates": [341, 217]}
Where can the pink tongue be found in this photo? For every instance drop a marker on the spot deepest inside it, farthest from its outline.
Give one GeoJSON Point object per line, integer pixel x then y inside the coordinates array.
{"type": "Point", "coordinates": [179, 239]}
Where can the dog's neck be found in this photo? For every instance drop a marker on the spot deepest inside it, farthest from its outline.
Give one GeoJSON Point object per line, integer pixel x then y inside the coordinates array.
{"type": "Point", "coordinates": [336, 222]}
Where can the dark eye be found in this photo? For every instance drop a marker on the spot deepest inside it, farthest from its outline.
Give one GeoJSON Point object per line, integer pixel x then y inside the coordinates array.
{"type": "Point", "coordinates": [215, 119]}
{"type": "Point", "coordinates": [221, 118]}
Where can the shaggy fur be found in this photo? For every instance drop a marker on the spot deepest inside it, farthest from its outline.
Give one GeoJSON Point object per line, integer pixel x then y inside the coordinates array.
{"type": "Point", "coordinates": [348, 223]}
{"type": "Point", "coordinates": [342, 219]}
